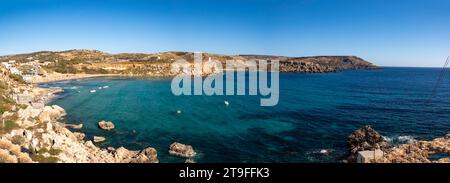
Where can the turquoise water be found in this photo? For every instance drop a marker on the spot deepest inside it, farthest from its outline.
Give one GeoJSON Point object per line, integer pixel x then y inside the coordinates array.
{"type": "Point", "coordinates": [315, 112]}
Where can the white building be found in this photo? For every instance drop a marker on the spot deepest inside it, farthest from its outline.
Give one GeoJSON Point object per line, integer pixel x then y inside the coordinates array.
{"type": "Point", "coordinates": [27, 79]}
{"type": "Point", "coordinates": [14, 70]}
{"type": "Point", "coordinates": [6, 65]}
{"type": "Point", "coordinates": [46, 63]}
{"type": "Point", "coordinates": [22, 98]}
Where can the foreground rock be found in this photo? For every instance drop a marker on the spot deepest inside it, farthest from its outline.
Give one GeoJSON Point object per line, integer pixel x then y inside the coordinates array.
{"type": "Point", "coordinates": [368, 146]}
{"type": "Point", "coordinates": [106, 125]}
{"type": "Point", "coordinates": [181, 150]}
{"type": "Point", "coordinates": [420, 152]}
{"type": "Point", "coordinates": [36, 134]}
{"type": "Point", "coordinates": [11, 153]}
{"type": "Point", "coordinates": [365, 139]}
{"type": "Point", "coordinates": [29, 116]}
{"type": "Point", "coordinates": [59, 145]}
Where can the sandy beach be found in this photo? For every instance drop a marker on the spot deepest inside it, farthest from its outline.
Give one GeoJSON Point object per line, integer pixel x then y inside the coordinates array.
{"type": "Point", "coordinates": [61, 77]}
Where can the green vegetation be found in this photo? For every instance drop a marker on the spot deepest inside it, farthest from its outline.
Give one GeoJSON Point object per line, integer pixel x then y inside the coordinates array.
{"type": "Point", "coordinates": [42, 159]}
{"type": "Point", "coordinates": [3, 108]}
{"type": "Point", "coordinates": [3, 86]}
{"type": "Point", "coordinates": [5, 103]}
{"type": "Point", "coordinates": [160, 61]}
{"type": "Point", "coordinates": [39, 156]}
{"type": "Point", "coordinates": [17, 78]}
{"type": "Point", "coordinates": [25, 68]}
{"type": "Point", "coordinates": [18, 139]}
{"type": "Point", "coordinates": [7, 125]}
{"type": "Point", "coordinates": [65, 67]}
{"type": "Point", "coordinates": [94, 71]}
{"type": "Point", "coordinates": [51, 151]}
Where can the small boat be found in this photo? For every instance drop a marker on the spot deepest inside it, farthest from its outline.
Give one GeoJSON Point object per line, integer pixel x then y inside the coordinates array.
{"type": "Point", "coordinates": [178, 111]}
{"type": "Point", "coordinates": [105, 86]}
{"type": "Point", "coordinates": [93, 91]}
{"type": "Point", "coordinates": [326, 151]}
{"type": "Point", "coordinates": [226, 103]}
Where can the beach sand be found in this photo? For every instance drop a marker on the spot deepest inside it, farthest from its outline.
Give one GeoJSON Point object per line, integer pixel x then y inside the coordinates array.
{"type": "Point", "coordinates": [61, 77]}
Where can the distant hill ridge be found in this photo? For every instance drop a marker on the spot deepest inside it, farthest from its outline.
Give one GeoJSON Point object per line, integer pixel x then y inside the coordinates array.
{"type": "Point", "coordinates": [77, 57]}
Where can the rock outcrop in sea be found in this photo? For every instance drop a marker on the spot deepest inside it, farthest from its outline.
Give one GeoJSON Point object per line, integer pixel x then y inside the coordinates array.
{"type": "Point", "coordinates": [106, 125]}
{"type": "Point", "coordinates": [147, 155]}
{"type": "Point", "coordinates": [99, 139]}
{"type": "Point", "coordinates": [364, 139]}
{"type": "Point", "coordinates": [181, 150]}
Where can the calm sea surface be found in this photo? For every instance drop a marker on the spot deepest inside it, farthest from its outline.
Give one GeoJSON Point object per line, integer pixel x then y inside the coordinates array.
{"type": "Point", "coordinates": [315, 112]}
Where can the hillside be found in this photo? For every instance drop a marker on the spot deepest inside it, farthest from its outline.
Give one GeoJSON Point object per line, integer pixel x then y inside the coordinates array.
{"type": "Point", "coordinates": [158, 64]}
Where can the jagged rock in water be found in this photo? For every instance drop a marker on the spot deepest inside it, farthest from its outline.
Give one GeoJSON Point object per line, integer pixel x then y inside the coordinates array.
{"type": "Point", "coordinates": [181, 150]}
{"type": "Point", "coordinates": [365, 139]}
{"type": "Point", "coordinates": [147, 155]}
{"type": "Point", "coordinates": [99, 139]}
{"type": "Point", "coordinates": [106, 125]}
{"type": "Point", "coordinates": [74, 126]}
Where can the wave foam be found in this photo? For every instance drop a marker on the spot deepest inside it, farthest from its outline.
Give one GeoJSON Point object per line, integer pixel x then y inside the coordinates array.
{"type": "Point", "coordinates": [406, 139]}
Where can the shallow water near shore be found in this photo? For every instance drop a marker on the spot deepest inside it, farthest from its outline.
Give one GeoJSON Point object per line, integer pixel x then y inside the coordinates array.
{"type": "Point", "coordinates": [315, 112]}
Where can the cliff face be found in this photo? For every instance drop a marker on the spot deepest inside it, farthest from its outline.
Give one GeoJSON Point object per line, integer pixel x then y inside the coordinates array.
{"type": "Point", "coordinates": [317, 64]}
{"type": "Point", "coordinates": [324, 64]}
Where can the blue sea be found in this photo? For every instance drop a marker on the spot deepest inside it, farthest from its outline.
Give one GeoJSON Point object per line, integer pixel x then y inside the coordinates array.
{"type": "Point", "coordinates": [315, 112]}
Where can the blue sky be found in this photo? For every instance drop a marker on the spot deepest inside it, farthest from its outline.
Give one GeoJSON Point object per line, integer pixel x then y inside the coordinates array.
{"type": "Point", "coordinates": [385, 32]}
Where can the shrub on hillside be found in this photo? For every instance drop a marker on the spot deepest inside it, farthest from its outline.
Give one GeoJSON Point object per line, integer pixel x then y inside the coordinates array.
{"type": "Point", "coordinates": [17, 77]}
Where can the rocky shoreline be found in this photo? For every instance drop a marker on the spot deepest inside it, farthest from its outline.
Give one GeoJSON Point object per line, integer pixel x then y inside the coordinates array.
{"type": "Point", "coordinates": [34, 133]}
{"type": "Point", "coordinates": [368, 146]}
